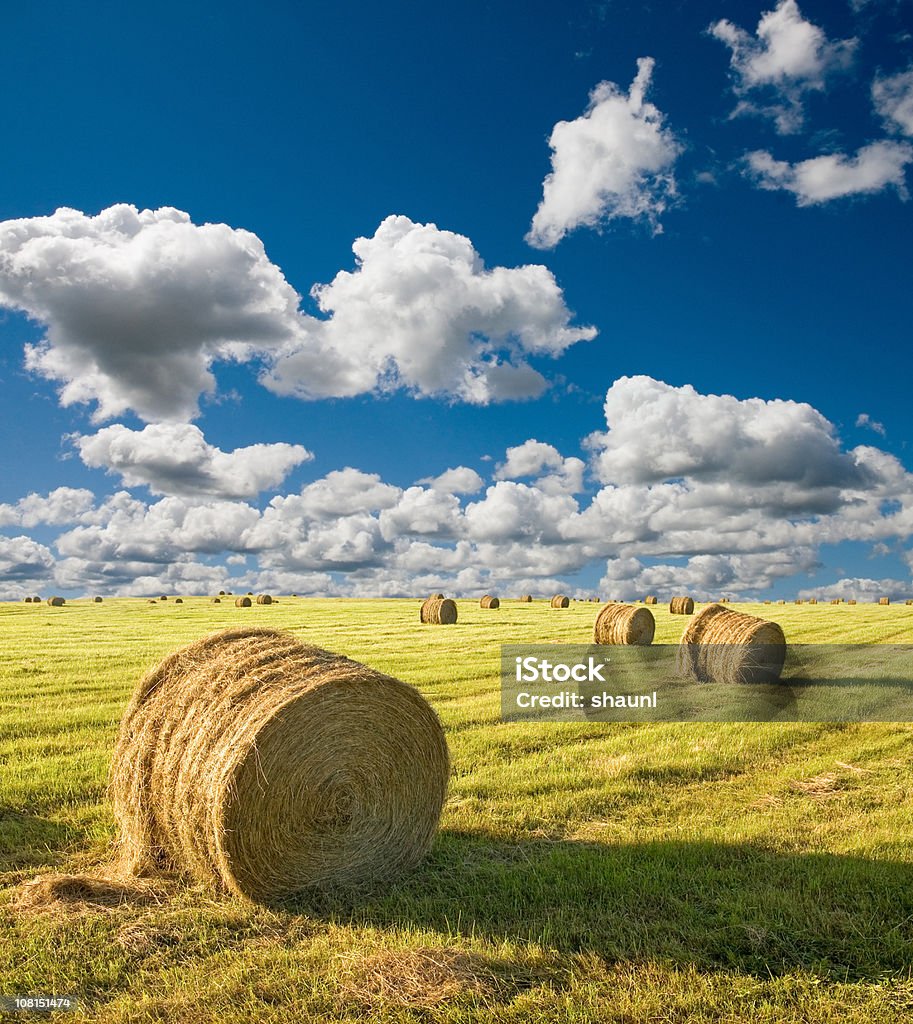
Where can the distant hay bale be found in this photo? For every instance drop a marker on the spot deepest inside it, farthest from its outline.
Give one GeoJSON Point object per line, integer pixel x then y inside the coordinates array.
{"type": "Point", "coordinates": [767, 602]}
{"type": "Point", "coordinates": [264, 599]}
{"type": "Point", "coordinates": [651, 599]}
{"type": "Point", "coordinates": [781, 601]}
{"type": "Point", "coordinates": [681, 606]}
{"type": "Point", "coordinates": [884, 600]}
{"type": "Point", "coordinates": [164, 597]}
{"type": "Point", "coordinates": [242, 602]}
{"type": "Point", "coordinates": [798, 600]}
{"type": "Point", "coordinates": [217, 600]}
{"type": "Point", "coordinates": [835, 600]}
{"type": "Point", "coordinates": [435, 597]}
{"type": "Point", "coordinates": [438, 611]}
{"type": "Point", "coordinates": [28, 600]}
{"type": "Point", "coordinates": [725, 646]}
{"type": "Point", "coordinates": [250, 593]}
{"type": "Point", "coordinates": [813, 600]}
{"type": "Point", "coordinates": [179, 600]}
{"type": "Point", "coordinates": [221, 593]}
{"type": "Point", "coordinates": [152, 600]}
{"type": "Point", "coordinates": [560, 601]}
{"type": "Point", "coordinates": [56, 602]}
{"type": "Point", "coordinates": [36, 600]}
{"type": "Point", "coordinates": [851, 601]}
{"type": "Point", "coordinates": [260, 766]}
{"type": "Point", "coordinates": [489, 602]}
{"type": "Point", "coordinates": [526, 598]}
{"type": "Point", "coordinates": [908, 601]}
{"type": "Point", "coordinates": [624, 624]}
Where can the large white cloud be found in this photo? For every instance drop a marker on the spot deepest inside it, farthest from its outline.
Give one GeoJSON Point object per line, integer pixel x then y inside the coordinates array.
{"type": "Point", "coordinates": [874, 167]}
{"type": "Point", "coordinates": [613, 161]}
{"type": "Point", "coordinates": [61, 506]}
{"type": "Point", "coordinates": [138, 304]}
{"type": "Point", "coordinates": [174, 458]}
{"type": "Point", "coordinates": [422, 312]}
{"type": "Point", "coordinates": [785, 58]}
{"type": "Point", "coordinates": [893, 99]}
{"type": "Point", "coordinates": [24, 560]}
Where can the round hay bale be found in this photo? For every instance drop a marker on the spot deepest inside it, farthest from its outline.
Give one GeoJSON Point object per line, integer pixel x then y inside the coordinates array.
{"type": "Point", "coordinates": [813, 600]}
{"type": "Point", "coordinates": [725, 646]}
{"type": "Point", "coordinates": [681, 606]}
{"type": "Point", "coordinates": [152, 600]}
{"type": "Point", "coordinates": [650, 599]}
{"type": "Point", "coordinates": [624, 624]}
{"type": "Point", "coordinates": [438, 611]}
{"type": "Point", "coordinates": [56, 602]}
{"type": "Point", "coordinates": [264, 767]}
{"type": "Point", "coordinates": [97, 600]}
{"type": "Point", "coordinates": [221, 593]}
{"type": "Point", "coordinates": [242, 602]}
{"type": "Point", "coordinates": [217, 600]}
{"type": "Point", "coordinates": [250, 593]}
{"type": "Point", "coordinates": [264, 599]}
{"type": "Point", "coordinates": [781, 601]}
{"type": "Point", "coordinates": [489, 602]}
{"type": "Point", "coordinates": [36, 600]}
{"type": "Point", "coordinates": [884, 600]}
{"type": "Point", "coordinates": [908, 601]}
{"type": "Point", "coordinates": [560, 601]}
{"type": "Point", "coordinates": [767, 602]}
{"type": "Point", "coordinates": [526, 598]}
{"type": "Point", "coordinates": [435, 597]}
{"type": "Point", "coordinates": [851, 601]}
{"type": "Point", "coordinates": [28, 600]}
{"type": "Point", "coordinates": [798, 600]}
{"type": "Point", "coordinates": [164, 597]}
{"type": "Point", "coordinates": [179, 600]}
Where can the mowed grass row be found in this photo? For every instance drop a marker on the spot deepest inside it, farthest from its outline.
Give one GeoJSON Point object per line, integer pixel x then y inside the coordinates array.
{"type": "Point", "coordinates": [583, 872]}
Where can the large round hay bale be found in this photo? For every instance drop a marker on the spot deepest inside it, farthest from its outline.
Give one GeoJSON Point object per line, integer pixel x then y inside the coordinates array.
{"type": "Point", "coordinates": [624, 624]}
{"type": "Point", "coordinates": [56, 602]}
{"type": "Point", "coordinates": [242, 602]}
{"type": "Point", "coordinates": [97, 600]}
{"type": "Point", "coordinates": [560, 601]}
{"type": "Point", "coordinates": [264, 599]}
{"type": "Point", "coordinates": [489, 602]}
{"type": "Point", "coordinates": [884, 600]}
{"type": "Point", "coordinates": [681, 606]}
{"type": "Point", "coordinates": [261, 766]}
{"type": "Point", "coordinates": [650, 599]}
{"type": "Point", "coordinates": [526, 598]}
{"type": "Point", "coordinates": [438, 611]}
{"type": "Point", "coordinates": [725, 646]}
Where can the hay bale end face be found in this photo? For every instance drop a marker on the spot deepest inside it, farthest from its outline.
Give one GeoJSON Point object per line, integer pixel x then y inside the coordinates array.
{"type": "Point", "coordinates": [489, 602]}
{"type": "Point", "coordinates": [560, 601]}
{"type": "Point", "coordinates": [264, 599]}
{"type": "Point", "coordinates": [624, 624]}
{"type": "Point", "coordinates": [681, 606]}
{"type": "Point", "coordinates": [56, 602]}
{"type": "Point", "coordinates": [725, 646]}
{"type": "Point", "coordinates": [242, 602]}
{"type": "Point", "coordinates": [438, 612]}
{"type": "Point", "coordinates": [260, 766]}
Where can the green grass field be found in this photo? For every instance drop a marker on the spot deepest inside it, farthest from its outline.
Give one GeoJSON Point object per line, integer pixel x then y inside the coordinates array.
{"type": "Point", "coordinates": [583, 872]}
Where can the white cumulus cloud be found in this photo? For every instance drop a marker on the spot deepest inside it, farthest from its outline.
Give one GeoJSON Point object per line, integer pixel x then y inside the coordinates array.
{"type": "Point", "coordinates": [613, 161]}
{"type": "Point", "coordinates": [61, 506]}
{"type": "Point", "coordinates": [874, 167]}
{"type": "Point", "coordinates": [174, 458]}
{"type": "Point", "coordinates": [893, 99]}
{"type": "Point", "coordinates": [422, 312]}
{"type": "Point", "coordinates": [785, 58]}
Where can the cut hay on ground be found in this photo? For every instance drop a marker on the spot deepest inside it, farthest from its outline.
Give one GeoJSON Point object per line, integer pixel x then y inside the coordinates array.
{"type": "Point", "coordinates": [681, 606]}
{"type": "Point", "coordinates": [47, 891]}
{"type": "Point", "coordinates": [624, 624]}
{"type": "Point", "coordinates": [56, 602]}
{"type": "Point", "coordinates": [725, 646]}
{"type": "Point", "coordinates": [489, 602]}
{"type": "Point", "coordinates": [264, 767]}
{"type": "Point", "coordinates": [560, 601]}
{"type": "Point", "coordinates": [264, 599]}
{"type": "Point", "coordinates": [242, 602]}
{"type": "Point", "coordinates": [438, 611]}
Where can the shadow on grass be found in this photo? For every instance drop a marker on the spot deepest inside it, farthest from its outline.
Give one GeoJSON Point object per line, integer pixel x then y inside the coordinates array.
{"type": "Point", "coordinates": [29, 840]}
{"type": "Point", "coordinates": [705, 904]}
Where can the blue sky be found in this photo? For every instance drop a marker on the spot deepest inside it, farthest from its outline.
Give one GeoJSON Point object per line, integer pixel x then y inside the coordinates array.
{"type": "Point", "coordinates": [722, 248]}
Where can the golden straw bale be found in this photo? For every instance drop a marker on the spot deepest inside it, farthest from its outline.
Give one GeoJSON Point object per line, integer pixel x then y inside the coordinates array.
{"type": "Point", "coordinates": [560, 601]}
{"type": "Point", "coordinates": [624, 624]}
{"type": "Point", "coordinates": [264, 599]}
{"type": "Point", "coordinates": [489, 602]}
{"type": "Point", "coordinates": [242, 602]}
{"type": "Point", "coordinates": [884, 600]}
{"type": "Point", "coordinates": [681, 606]}
{"type": "Point", "coordinates": [56, 602]}
{"type": "Point", "coordinates": [725, 646]}
{"type": "Point", "coordinates": [438, 612]}
{"type": "Point", "coordinates": [263, 767]}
